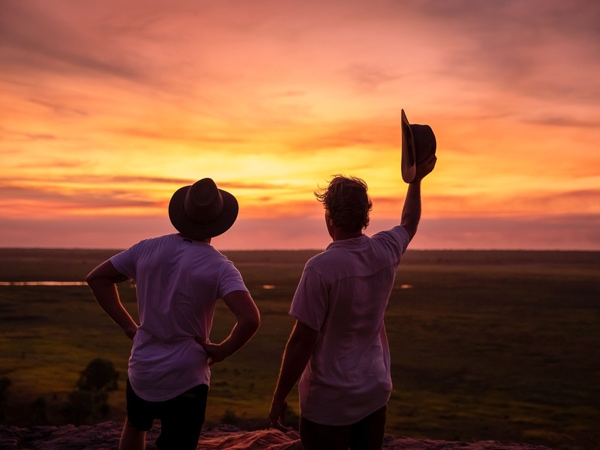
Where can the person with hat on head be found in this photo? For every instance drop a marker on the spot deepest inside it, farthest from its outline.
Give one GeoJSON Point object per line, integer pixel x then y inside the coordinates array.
{"type": "Point", "coordinates": [338, 347]}
{"type": "Point", "coordinates": [178, 279]}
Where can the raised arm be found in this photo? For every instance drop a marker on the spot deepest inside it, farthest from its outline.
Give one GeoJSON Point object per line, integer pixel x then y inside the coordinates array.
{"type": "Point", "coordinates": [102, 280]}
{"type": "Point", "coordinates": [411, 212]}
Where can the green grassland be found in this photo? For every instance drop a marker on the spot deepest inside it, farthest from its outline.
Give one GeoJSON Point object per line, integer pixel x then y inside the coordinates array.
{"type": "Point", "coordinates": [498, 345]}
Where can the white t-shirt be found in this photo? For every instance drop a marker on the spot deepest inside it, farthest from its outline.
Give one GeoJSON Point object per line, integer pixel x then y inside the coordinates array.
{"type": "Point", "coordinates": [177, 282]}
{"type": "Point", "coordinates": [343, 294]}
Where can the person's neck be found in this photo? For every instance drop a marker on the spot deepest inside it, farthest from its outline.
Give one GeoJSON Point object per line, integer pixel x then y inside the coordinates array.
{"type": "Point", "coordinates": [185, 238]}
{"type": "Point", "coordinates": [339, 234]}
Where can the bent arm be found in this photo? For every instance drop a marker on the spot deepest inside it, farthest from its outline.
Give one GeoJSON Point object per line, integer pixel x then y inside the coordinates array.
{"type": "Point", "coordinates": [102, 280]}
{"type": "Point", "coordinates": [247, 317]}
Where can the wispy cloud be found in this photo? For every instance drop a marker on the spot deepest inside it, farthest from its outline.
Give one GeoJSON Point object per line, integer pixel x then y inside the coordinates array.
{"type": "Point", "coordinates": [110, 106]}
{"type": "Point", "coordinates": [55, 45]}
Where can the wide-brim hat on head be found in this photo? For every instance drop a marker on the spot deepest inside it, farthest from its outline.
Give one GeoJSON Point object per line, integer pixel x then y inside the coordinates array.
{"type": "Point", "coordinates": [418, 142]}
{"type": "Point", "coordinates": [202, 210]}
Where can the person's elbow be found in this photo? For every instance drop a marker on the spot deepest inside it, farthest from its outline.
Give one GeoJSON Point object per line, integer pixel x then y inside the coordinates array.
{"type": "Point", "coordinates": [303, 338]}
{"type": "Point", "coordinates": [246, 313]}
{"type": "Point", "coordinates": [93, 280]}
{"type": "Point", "coordinates": [103, 275]}
{"type": "Point", "coordinates": [250, 321]}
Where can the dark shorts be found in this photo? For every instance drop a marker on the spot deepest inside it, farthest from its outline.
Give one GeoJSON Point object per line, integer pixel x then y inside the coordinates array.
{"type": "Point", "coordinates": [181, 417]}
{"type": "Point", "coordinates": [367, 434]}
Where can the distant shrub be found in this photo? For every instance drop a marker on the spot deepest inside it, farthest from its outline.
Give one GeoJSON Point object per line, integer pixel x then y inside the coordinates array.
{"type": "Point", "coordinates": [230, 418]}
{"type": "Point", "coordinates": [100, 374]}
{"type": "Point", "coordinates": [85, 407]}
{"type": "Point", "coordinates": [89, 402]}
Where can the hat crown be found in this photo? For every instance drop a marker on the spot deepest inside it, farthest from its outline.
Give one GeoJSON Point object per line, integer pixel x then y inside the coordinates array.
{"type": "Point", "coordinates": [203, 201]}
{"type": "Point", "coordinates": [418, 142]}
{"type": "Point", "coordinates": [424, 141]}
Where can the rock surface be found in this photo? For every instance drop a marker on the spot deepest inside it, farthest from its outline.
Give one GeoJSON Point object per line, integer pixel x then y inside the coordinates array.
{"type": "Point", "coordinates": [106, 436]}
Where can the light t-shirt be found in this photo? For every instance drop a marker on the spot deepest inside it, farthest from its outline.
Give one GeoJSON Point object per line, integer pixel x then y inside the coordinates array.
{"type": "Point", "coordinates": [343, 294]}
{"type": "Point", "coordinates": [177, 284]}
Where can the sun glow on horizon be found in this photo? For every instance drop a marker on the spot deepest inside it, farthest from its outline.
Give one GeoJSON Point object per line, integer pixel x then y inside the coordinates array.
{"type": "Point", "coordinates": [107, 111]}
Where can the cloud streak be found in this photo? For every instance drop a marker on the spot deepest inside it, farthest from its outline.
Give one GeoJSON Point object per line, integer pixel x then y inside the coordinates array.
{"type": "Point", "coordinates": [54, 45]}
{"type": "Point", "coordinates": [111, 106]}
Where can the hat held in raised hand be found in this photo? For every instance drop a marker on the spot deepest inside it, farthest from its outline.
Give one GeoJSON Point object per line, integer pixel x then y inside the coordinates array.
{"type": "Point", "coordinates": [418, 142]}
{"type": "Point", "coordinates": [202, 210]}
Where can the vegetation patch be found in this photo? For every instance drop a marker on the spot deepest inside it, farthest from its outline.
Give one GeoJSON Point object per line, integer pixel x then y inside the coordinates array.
{"type": "Point", "coordinates": [485, 345]}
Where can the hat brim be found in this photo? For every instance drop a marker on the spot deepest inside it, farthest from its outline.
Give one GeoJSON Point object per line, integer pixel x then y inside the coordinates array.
{"type": "Point", "coordinates": [408, 162]}
{"type": "Point", "coordinates": [197, 230]}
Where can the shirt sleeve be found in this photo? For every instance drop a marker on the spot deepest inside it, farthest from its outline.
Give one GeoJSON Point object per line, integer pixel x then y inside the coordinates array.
{"type": "Point", "coordinates": [124, 263]}
{"type": "Point", "coordinates": [231, 280]}
{"type": "Point", "coordinates": [395, 241]}
{"type": "Point", "coordinates": [310, 302]}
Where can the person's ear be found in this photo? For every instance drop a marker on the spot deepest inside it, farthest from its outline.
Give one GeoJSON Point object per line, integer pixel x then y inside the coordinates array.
{"type": "Point", "coordinates": [328, 220]}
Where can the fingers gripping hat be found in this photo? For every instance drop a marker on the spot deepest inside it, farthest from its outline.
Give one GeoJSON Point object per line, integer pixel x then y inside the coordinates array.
{"type": "Point", "coordinates": [202, 210]}
{"type": "Point", "coordinates": [418, 142]}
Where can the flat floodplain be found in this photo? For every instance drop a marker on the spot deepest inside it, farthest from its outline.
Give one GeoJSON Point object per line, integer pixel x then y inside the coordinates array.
{"type": "Point", "coordinates": [486, 345]}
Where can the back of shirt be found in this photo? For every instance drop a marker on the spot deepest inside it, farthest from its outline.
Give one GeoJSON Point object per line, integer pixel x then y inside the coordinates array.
{"type": "Point", "coordinates": [343, 294]}
{"type": "Point", "coordinates": [177, 282]}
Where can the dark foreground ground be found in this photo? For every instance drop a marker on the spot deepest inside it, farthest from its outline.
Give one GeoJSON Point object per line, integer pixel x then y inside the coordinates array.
{"type": "Point", "coordinates": [106, 436]}
{"type": "Point", "coordinates": [486, 346]}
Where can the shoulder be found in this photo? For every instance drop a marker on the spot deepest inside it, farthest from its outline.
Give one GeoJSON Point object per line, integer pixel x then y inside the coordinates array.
{"type": "Point", "coordinates": [391, 243]}
{"type": "Point", "coordinates": [218, 262]}
{"type": "Point", "coordinates": [398, 234]}
{"type": "Point", "coordinates": [153, 242]}
{"type": "Point", "coordinates": [322, 260]}
{"type": "Point", "coordinates": [146, 247]}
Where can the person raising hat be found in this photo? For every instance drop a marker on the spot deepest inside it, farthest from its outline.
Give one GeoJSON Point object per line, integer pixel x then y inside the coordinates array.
{"type": "Point", "coordinates": [178, 279]}
{"type": "Point", "coordinates": [338, 348]}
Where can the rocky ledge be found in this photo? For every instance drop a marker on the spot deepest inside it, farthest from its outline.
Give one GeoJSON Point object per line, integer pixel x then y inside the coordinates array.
{"type": "Point", "coordinates": [106, 436]}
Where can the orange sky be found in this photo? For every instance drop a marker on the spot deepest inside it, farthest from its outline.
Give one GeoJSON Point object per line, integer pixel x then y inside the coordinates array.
{"type": "Point", "coordinates": [108, 107]}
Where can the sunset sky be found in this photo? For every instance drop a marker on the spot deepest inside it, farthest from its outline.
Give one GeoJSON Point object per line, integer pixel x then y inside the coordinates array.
{"type": "Point", "coordinates": [108, 107]}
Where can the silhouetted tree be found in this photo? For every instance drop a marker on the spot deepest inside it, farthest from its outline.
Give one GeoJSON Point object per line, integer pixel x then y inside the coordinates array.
{"type": "Point", "coordinates": [100, 374]}
{"type": "Point", "coordinates": [85, 406]}
{"type": "Point", "coordinates": [89, 401]}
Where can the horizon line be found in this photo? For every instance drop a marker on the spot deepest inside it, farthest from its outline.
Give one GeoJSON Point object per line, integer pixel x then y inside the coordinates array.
{"type": "Point", "coordinates": [322, 249]}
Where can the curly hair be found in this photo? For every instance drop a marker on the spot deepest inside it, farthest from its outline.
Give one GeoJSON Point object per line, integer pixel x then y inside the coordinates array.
{"type": "Point", "coordinates": [346, 202]}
